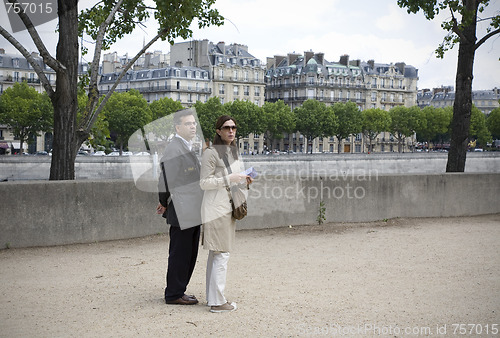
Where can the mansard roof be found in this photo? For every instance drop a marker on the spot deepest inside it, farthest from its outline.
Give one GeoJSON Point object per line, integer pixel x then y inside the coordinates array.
{"type": "Point", "coordinates": [19, 62]}
{"type": "Point", "coordinates": [150, 74]}
{"type": "Point", "coordinates": [231, 55]}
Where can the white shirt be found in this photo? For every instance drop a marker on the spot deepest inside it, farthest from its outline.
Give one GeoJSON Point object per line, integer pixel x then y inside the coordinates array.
{"type": "Point", "coordinates": [189, 144]}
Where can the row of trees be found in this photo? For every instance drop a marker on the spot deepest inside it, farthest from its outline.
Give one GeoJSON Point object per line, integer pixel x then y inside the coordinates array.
{"type": "Point", "coordinates": [27, 113]}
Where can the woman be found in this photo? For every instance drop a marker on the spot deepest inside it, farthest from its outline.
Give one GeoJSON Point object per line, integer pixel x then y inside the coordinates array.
{"type": "Point", "coordinates": [219, 226]}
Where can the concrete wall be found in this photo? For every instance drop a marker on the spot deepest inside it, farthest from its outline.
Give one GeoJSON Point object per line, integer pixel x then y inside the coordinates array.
{"type": "Point", "coordinates": [40, 213]}
{"type": "Point", "coordinates": [97, 168]}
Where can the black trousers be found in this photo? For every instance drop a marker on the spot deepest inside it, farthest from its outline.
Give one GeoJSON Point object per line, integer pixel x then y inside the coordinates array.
{"type": "Point", "coordinates": [182, 255]}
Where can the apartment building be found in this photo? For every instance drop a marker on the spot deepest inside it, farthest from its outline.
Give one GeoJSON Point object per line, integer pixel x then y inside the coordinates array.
{"type": "Point", "coordinates": [184, 84]}
{"type": "Point", "coordinates": [297, 77]}
{"type": "Point", "coordinates": [235, 74]}
{"type": "Point", "coordinates": [484, 100]}
{"type": "Point", "coordinates": [15, 68]}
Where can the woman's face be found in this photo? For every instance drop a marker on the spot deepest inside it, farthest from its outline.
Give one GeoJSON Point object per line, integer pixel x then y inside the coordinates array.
{"type": "Point", "coordinates": [227, 132]}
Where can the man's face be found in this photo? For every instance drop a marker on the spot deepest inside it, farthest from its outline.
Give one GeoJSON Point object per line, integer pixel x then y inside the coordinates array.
{"type": "Point", "coordinates": [187, 128]}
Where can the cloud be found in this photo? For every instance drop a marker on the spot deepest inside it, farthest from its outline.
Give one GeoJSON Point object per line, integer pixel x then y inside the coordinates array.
{"type": "Point", "coordinates": [394, 20]}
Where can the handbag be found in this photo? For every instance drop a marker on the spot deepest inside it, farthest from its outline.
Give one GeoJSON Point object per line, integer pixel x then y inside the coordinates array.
{"type": "Point", "coordinates": [236, 197]}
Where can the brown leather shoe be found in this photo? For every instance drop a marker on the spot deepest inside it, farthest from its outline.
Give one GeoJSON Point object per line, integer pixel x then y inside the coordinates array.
{"type": "Point", "coordinates": [184, 300]}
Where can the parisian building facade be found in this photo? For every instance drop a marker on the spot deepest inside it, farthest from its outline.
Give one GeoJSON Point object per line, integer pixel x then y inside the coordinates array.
{"type": "Point", "coordinates": [484, 100]}
{"type": "Point", "coordinates": [235, 74]}
{"type": "Point", "coordinates": [14, 68]}
{"type": "Point", "coordinates": [198, 69]}
{"type": "Point", "coordinates": [296, 78]}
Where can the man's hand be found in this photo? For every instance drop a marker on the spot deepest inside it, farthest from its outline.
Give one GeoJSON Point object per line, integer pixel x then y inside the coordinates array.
{"type": "Point", "coordinates": [160, 209]}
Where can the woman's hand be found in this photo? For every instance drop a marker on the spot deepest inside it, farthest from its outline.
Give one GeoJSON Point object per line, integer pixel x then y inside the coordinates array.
{"type": "Point", "coordinates": [236, 177]}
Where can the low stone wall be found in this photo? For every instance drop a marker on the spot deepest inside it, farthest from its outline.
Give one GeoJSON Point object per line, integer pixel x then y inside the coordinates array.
{"type": "Point", "coordinates": [13, 168]}
{"type": "Point", "coordinates": [42, 213]}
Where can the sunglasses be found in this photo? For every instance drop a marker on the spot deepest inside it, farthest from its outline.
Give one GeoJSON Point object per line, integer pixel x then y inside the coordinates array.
{"type": "Point", "coordinates": [227, 128]}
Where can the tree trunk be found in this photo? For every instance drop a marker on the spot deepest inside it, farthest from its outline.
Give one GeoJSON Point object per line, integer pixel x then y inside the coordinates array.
{"type": "Point", "coordinates": [65, 142]}
{"type": "Point", "coordinates": [463, 99]}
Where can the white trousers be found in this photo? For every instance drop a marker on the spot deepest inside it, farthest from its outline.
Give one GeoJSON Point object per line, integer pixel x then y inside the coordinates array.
{"type": "Point", "coordinates": [216, 277]}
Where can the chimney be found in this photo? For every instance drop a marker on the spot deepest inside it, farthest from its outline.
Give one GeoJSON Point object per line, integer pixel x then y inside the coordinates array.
{"type": "Point", "coordinates": [355, 63]}
{"type": "Point", "coordinates": [33, 54]}
{"type": "Point", "coordinates": [178, 64]}
{"type": "Point", "coordinates": [279, 59]}
{"type": "Point", "coordinates": [147, 60]}
{"type": "Point", "coordinates": [270, 62]}
{"type": "Point", "coordinates": [344, 60]}
{"type": "Point", "coordinates": [320, 57]}
{"type": "Point", "coordinates": [308, 56]}
{"type": "Point", "coordinates": [371, 63]}
{"type": "Point", "coordinates": [222, 47]}
{"type": "Point", "coordinates": [401, 66]}
{"type": "Point", "coordinates": [2, 51]}
{"type": "Point", "coordinates": [292, 57]}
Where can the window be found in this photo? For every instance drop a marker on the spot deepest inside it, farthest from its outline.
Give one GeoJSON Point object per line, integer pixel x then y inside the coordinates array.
{"type": "Point", "coordinates": [245, 76]}
{"type": "Point", "coordinates": [246, 90]}
{"type": "Point", "coordinates": [235, 75]}
{"type": "Point", "coordinates": [358, 95]}
{"type": "Point", "coordinates": [340, 95]}
{"type": "Point", "coordinates": [257, 91]}
{"type": "Point", "coordinates": [221, 74]}
{"type": "Point", "coordinates": [177, 73]}
{"type": "Point", "coordinates": [374, 96]}
{"type": "Point", "coordinates": [235, 90]}
{"type": "Point", "coordinates": [310, 80]}
{"type": "Point", "coordinates": [221, 89]}
{"type": "Point", "coordinates": [189, 74]}
{"type": "Point", "coordinates": [256, 76]}
{"type": "Point", "coordinates": [310, 93]}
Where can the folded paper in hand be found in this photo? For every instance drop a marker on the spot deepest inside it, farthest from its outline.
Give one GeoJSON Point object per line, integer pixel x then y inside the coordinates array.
{"type": "Point", "coordinates": [250, 172]}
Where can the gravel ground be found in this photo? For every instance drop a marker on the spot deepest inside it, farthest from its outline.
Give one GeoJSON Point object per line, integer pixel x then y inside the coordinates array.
{"type": "Point", "coordinates": [403, 277]}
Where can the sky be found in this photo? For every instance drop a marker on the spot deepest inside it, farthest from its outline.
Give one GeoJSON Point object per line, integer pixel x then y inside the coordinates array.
{"type": "Point", "coordinates": [363, 29]}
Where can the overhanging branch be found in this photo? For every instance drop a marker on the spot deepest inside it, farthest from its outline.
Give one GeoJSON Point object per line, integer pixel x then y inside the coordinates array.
{"type": "Point", "coordinates": [95, 113]}
{"type": "Point", "coordinates": [47, 58]}
{"type": "Point", "coordinates": [486, 37]}
{"type": "Point", "coordinates": [93, 92]}
{"type": "Point", "coordinates": [38, 69]}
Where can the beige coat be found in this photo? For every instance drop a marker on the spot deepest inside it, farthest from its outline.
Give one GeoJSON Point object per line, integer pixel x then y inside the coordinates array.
{"type": "Point", "coordinates": [218, 226]}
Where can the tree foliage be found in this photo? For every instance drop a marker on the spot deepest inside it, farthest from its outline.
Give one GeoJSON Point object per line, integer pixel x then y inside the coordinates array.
{"type": "Point", "coordinates": [163, 107]}
{"type": "Point", "coordinates": [434, 124]}
{"type": "Point", "coordinates": [25, 111]}
{"type": "Point", "coordinates": [248, 116]}
{"type": "Point", "coordinates": [478, 129]}
{"type": "Point", "coordinates": [349, 120]}
{"type": "Point", "coordinates": [106, 22]}
{"type": "Point", "coordinates": [375, 121]}
{"type": "Point", "coordinates": [126, 113]}
{"type": "Point", "coordinates": [208, 113]}
{"type": "Point", "coordinates": [315, 119]}
{"type": "Point", "coordinates": [278, 119]}
{"type": "Point", "coordinates": [404, 122]}
{"type": "Point", "coordinates": [493, 123]}
{"type": "Point", "coordinates": [461, 29]}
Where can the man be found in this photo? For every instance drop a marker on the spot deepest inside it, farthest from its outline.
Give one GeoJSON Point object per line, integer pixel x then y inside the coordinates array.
{"type": "Point", "coordinates": [180, 198]}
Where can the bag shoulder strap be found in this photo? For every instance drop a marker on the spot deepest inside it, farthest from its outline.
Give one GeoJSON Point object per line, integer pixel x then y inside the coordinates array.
{"type": "Point", "coordinates": [226, 162]}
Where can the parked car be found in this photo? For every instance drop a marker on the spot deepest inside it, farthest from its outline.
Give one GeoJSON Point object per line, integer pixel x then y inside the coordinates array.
{"type": "Point", "coordinates": [42, 153]}
{"type": "Point", "coordinates": [82, 153]}
{"type": "Point", "coordinates": [99, 153]}
{"type": "Point", "coordinates": [114, 153]}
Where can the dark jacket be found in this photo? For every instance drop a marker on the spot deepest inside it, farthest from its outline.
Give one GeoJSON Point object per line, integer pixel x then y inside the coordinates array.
{"type": "Point", "coordinates": [181, 192]}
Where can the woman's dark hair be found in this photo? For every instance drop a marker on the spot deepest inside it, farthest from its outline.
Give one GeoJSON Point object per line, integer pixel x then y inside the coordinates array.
{"type": "Point", "coordinates": [218, 143]}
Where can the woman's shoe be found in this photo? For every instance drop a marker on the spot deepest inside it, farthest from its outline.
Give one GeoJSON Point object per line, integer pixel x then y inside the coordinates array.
{"type": "Point", "coordinates": [224, 307]}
